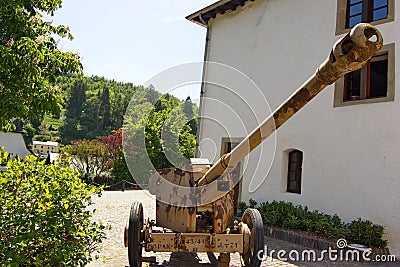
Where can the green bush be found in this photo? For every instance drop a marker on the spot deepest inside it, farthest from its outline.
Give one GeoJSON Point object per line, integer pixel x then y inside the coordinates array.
{"type": "Point", "coordinates": [252, 203]}
{"type": "Point", "coordinates": [327, 226]}
{"type": "Point", "coordinates": [286, 215]}
{"type": "Point", "coordinates": [45, 219]}
{"type": "Point", "coordinates": [366, 233]}
{"type": "Point", "coordinates": [242, 207]}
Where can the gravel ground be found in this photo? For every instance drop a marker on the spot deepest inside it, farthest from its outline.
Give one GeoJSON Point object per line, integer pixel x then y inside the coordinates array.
{"type": "Point", "coordinates": [113, 208]}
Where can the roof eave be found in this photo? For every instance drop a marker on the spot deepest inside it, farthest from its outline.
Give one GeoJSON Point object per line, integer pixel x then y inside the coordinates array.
{"type": "Point", "coordinates": [202, 16]}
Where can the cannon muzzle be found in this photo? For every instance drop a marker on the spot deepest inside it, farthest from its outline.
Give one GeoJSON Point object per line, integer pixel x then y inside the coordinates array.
{"type": "Point", "coordinates": [348, 54]}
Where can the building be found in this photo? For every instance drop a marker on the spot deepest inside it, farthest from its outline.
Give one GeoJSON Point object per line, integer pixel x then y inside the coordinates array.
{"type": "Point", "coordinates": [341, 153]}
{"type": "Point", "coordinates": [14, 144]}
{"type": "Point", "coordinates": [44, 148]}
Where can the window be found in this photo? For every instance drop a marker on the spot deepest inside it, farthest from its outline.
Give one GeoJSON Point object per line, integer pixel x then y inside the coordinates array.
{"type": "Point", "coordinates": [365, 11]}
{"type": "Point", "coordinates": [352, 12]}
{"type": "Point", "coordinates": [368, 82]}
{"type": "Point", "coordinates": [372, 83]}
{"type": "Point", "coordinates": [295, 163]}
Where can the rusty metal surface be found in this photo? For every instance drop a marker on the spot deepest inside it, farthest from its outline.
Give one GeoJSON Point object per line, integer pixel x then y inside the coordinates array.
{"type": "Point", "coordinates": [194, 242]}
{"type": "Point", "coordinates": [179, 219]}
{"type": "Point", "coordinates": [175, 216]}
{"type": "Point", "coordinates": [176, 179]}
{"type": "Point", "coordinates": [215, 217]}
{"type": "Point", "coordinates": [173, 175]}
{"type": "Point", "coordinates": [223, 212]}
{"type": "Point", "coordinates": [349, 54]}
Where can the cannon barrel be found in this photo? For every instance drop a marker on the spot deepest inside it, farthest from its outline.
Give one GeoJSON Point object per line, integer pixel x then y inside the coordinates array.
{"type": "Point", "coordinates": [348, 54]}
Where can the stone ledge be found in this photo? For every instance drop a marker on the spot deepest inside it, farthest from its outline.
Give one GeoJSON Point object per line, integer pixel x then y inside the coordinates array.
{"type": "Point", "coordinates": [306, 240]}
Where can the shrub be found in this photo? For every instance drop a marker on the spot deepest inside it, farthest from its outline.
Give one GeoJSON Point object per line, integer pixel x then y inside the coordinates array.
{"type": "Point", "coordinates": [252, 203]}
{"type": "Point", "coordinates": [327, 225]}
{"type": "Point", "coordinates": [90, 157]}
{"type": "Point", "coordinates": [242, 207]}
{"type": "Point", "coordinates": [45, 220]}
{"type": "Point", "coordinates": [366, 233]}
{"type": "Point", "coordinates": [286, 215]}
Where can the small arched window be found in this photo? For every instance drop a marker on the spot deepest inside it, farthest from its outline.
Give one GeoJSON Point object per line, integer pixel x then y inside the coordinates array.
{"type": "Point", "coordinates": [295, 163]}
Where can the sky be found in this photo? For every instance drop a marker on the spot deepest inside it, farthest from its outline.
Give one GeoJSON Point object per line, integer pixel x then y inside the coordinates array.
{"type": "Point", "coordinates": [131, 41]}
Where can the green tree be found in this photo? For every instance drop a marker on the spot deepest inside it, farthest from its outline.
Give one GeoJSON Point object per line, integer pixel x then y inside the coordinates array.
{"type": "Point", "coordinates": [105, 111]}
{"type": "Point", "coordinates": [45, 133]}
{"type": "Point", "coordinates": [118, 111]}
{"type": "Point", "coordinates": [189, 110]}
{"type": "Point", "coordinates": [92, 158]}
{"type": "Point", "coordinates": [49, 224]}
{"type": "Point", "coordinates": [177, 140]}
{"type": "Point", "coordinates": [119, 169]}
{"type": "Point", "coordinates": [31, 127]}
{"type": "Point", "coordinates": [73, 115]}
{"type": "Point", "coordinates": [90, 116]}
{"type": "Point", "coordinates": [30, 61]}
{"type": "Point", "coordinates": [102, 111]}
{"type": "Point", "coordinates": [160, 133]}
{"type": "Point", "coordinates": [76, 100]}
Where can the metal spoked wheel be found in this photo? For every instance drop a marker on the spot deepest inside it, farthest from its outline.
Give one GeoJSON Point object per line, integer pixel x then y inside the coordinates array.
{"type": "Point", "coordinates": [252, 218]}
{"type": "Point", "coordinates": [135, 235]}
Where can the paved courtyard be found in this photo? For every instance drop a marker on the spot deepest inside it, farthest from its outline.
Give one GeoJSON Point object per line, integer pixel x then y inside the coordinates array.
{"type": "Point", "coordinates": [113, 208]}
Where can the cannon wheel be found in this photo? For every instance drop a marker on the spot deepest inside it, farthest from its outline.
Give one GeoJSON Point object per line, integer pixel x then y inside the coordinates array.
{"type": "Point", "coordinates": [252, 218]}
{"type": "Point", "coordinates": [135, 235]}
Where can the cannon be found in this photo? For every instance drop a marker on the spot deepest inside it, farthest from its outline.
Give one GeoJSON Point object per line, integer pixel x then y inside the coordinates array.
{"type": "Point", "coordinates": [195, 204]}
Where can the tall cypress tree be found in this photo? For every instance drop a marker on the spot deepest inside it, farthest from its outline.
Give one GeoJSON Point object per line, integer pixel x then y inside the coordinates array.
{"type": "Point", "coordinates": [189, 113]}
{"type": "Point", "coordinates": [77, 98]}
{"type": "Point", "coordinates": [118, 110]}
{"type": "Point", "coordinates": [105, 115]}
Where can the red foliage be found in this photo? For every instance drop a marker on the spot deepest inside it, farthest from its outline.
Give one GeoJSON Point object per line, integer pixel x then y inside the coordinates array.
{"type": "Point", "coordinates": [114, 142]}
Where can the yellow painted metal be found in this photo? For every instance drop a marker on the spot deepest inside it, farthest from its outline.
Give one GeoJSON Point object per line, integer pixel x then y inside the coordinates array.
{"type": "Point", "coordinates": [183, 219]}
{"type": "Point", "coordinates": [194, 242]}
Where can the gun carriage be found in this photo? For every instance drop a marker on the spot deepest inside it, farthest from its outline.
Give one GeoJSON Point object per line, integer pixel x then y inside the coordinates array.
{"type": "Point", "coordinates": [195, 205]}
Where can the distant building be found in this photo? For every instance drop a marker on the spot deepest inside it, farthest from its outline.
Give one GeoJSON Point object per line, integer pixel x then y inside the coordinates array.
{"type": "Point", "coordinates": [44, 148]}
{"type": "Point", "coordinates": [14, 144]}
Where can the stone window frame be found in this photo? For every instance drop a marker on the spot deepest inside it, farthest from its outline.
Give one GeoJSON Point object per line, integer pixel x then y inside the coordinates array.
{"type": "Point", "coordinates": [388, 49]}
{"type": "Point", "coordinates": [341, 16]}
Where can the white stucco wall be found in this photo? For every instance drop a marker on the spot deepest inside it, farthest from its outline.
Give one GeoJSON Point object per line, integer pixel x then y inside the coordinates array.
{"type": "Point", "coordinates": [351, 162]}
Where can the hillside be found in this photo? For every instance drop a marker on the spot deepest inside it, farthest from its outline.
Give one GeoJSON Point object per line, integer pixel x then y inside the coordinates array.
{"type": "Point", "coordinates": [95, 106]}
